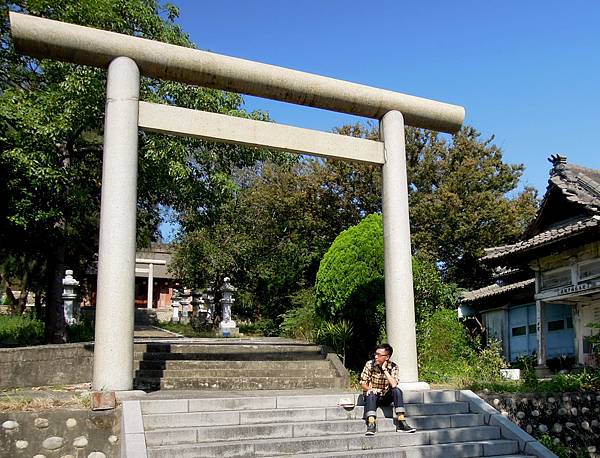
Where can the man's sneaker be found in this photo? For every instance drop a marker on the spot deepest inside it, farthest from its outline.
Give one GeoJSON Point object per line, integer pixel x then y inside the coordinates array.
{"type": "Point", "coordinates": [403, 427]}
{"type": "Point", "coordinates": [371, 429]}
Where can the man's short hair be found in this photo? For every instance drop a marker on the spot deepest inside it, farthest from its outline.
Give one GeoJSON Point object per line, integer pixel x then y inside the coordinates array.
{"type": "Point", "coordinates": [386, 347]}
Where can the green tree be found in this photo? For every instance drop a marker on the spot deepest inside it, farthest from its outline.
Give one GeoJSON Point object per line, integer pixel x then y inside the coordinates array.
{"type": "Point", "coordinates": [271, 236]}
{"type": "Point", "coordinates": [462, 197]}
{"type": "Point", "coordinates": [51, 117]}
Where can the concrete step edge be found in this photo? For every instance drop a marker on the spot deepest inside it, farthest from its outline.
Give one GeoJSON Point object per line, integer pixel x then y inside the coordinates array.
{"type": "Point", "coordinates": [234, 377]}
{"type": "Point", "coordinates": [241, 364]}
{"type": "Point", "coordinates": [380, 420]}
{"type": "Point", "coordinates": [379, 437]}
{"type": "Point", "coordinates": [196, 374]}
{"type": "Point", "coordinates": [342, 427]}
{"type": "Point", "coordinates": [387, 452]}
{"type": "Point", "coordinates": [385, 412]}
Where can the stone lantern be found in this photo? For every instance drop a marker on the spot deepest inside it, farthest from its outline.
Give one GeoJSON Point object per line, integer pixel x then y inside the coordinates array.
{"type": "Point", "coordinates": [197, 303]}
{"type": "Point", "coordinates": [175, 304]}
{"type": "Point", "coordinates": [69, 295]}
{"type": "Point", "coordinates": [209, 300]}
{"type": "Point", "coordinates": [227, 325]}
{"type": "Point", "coordinates": [185, 305]}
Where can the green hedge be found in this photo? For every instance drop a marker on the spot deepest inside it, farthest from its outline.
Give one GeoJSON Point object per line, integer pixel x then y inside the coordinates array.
{"type": "Point", "coordinates": [18, 331]}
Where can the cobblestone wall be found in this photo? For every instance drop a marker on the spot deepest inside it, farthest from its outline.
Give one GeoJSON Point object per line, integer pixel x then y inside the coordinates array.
{"type": "Point", "coordinates": [570, 419]}
{"type": "Point", "coordinates": [60, 434]}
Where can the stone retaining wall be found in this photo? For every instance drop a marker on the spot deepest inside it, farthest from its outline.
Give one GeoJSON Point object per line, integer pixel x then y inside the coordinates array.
{"type": "Point", "coordinates": [44, 365]}
{"type": "Point", "coordinates": [60, 433]}
{"type": "Point", "coordinates": [570, 419]}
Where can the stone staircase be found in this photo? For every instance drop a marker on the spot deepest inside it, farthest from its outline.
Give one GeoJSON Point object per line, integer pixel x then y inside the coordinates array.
{"type": "Point", "coordinates": [236, 364]}
{"type": "Point", "coordinates": [311, 423]}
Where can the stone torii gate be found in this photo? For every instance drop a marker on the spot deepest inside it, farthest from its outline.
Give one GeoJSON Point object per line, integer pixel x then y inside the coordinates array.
{"type": "Point", "coordinates": [125, 57]}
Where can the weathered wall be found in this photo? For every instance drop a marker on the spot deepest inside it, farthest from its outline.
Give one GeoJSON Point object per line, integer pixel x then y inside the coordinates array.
{"type": "Point", "coordinates": [60, 433]}
{"type": "Point", "coordinates": [571, 419]}
{"type": "Point", "coordinates": [65, 364]}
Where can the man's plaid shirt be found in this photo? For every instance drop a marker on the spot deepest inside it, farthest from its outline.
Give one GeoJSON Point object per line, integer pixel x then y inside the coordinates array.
{"type": "Point", "coordinates": [373, 375]}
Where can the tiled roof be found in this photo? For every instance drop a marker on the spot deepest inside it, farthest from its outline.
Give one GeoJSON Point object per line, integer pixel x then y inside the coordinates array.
{"type": "Point", "coordinates": [557, 233]}
{"type": "Point", "coordinates": [578, 184]}
{"type": "Point", "coordinates": [494, 290]}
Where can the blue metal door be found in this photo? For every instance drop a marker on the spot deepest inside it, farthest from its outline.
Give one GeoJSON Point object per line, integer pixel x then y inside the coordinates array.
{"type": "Point", "coordinates": [558, 324]}
{"type": "Point", "coordinates": [521, 331]}
{"type": "Point", "coordinates": [560, 336]}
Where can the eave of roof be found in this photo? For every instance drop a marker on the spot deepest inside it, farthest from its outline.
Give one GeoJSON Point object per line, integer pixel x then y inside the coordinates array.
{"type": "Point", "coordinates": [494, 290]}
{"type": "Point", "coordinates": [548, 237]}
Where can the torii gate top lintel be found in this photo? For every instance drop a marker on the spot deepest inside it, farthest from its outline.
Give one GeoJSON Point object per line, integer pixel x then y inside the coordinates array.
{"type": "Point", "coordinates": [46, 38]}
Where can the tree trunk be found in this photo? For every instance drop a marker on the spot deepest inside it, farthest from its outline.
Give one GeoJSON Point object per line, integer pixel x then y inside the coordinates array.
{"type": "Point", "coordinates": [10, 295]}
{"type": "Point", "coordinates": [55, 317]}
{"type": "Point", "coordinates": [22, 301]}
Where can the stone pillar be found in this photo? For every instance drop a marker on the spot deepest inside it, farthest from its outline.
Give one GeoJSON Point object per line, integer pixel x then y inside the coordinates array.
{"type": "Point", "coordinates": [150, 296]}
{"type": "Point", "coordinates": [69, 295]}
{"type": "Point", "coordinates": [113, 350]}
{"type": "Point", "coordinates": [185, 306]}
{"type": "Point", "coordinates": [399, 300]}
{"type": "Point", "coordinates": [539, 325]}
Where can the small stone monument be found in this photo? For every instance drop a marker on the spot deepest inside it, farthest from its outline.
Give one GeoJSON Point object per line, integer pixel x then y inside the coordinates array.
{"type": "Point", "coordinates": [185, 305]}
{"type": "Point", "coordinates": [69, 295]}
{"type": "Point", "coordinates": [175, 304]}
{"type": "Point", "coordinates": [209, 300]}
{"type": "Point", "coordinates": [227, 327]}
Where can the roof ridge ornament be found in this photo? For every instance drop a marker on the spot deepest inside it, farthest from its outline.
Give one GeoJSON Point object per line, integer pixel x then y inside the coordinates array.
{"type": "Point", "coordinates": [557, 159]}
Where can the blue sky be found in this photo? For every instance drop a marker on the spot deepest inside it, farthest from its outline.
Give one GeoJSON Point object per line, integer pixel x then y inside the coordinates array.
{"type": "Point", "coordinates": [527, 72]}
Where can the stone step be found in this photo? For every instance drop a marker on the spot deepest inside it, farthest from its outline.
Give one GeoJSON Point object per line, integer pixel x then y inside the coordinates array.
{"type": "Point", "coordinates": [226, 348]}
{"type": "Point", "coordinates": [237, 383]}
{"type": "Point", "coordinates": [243, 401]}
{"type": "Point", "coordinates": [237, 373]}
{"type": "Point", "coordinates": [242, 356]}
{"type": "Point", "coordinates": [278, 400]}
{"type": "Point", "coordinates": [286, 365]}
{"type": "Point", "coordinates": [247, 383]}
{"type": "Point", "coordinates": [168, 436]}
{"type": "Point", "coordinates": [334, 443]}
{"type": "Point", "coordinates": [198, 416]}
{"type": "Point", "coordinates": [462, 449]}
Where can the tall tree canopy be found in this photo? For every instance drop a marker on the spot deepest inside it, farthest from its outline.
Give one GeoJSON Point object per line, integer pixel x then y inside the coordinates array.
{"type": "Point", "coordinates": [462, 198]}
{"type": "Point", "coordinates": [51, 117]}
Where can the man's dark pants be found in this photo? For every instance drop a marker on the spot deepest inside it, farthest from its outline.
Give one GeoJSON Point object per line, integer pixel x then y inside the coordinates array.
{"type": "Point", "coordinates": [374, 400]}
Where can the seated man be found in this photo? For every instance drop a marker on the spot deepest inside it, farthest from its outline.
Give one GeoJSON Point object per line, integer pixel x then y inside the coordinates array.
{"type": "Point", "coordinates": [379, 380]}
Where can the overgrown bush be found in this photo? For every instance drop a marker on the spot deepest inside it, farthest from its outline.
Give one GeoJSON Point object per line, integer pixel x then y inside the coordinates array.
{"type": "Point", "coordinates": [445, 352]}
{"type": "Point", "coordinates": [448, 354]}
{"type": "Point", "coordinates": [81, 332]}
{"type": "Point", "coordinates": [17, 331]}
{"type": "Point", "coordinates": [301, 323]}
{"type": "Point", "coordinates": [336, 336]}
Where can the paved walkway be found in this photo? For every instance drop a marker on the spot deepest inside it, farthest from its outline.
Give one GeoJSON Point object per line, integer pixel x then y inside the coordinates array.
{"type": "Point", "coordinates": [142, 331]}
